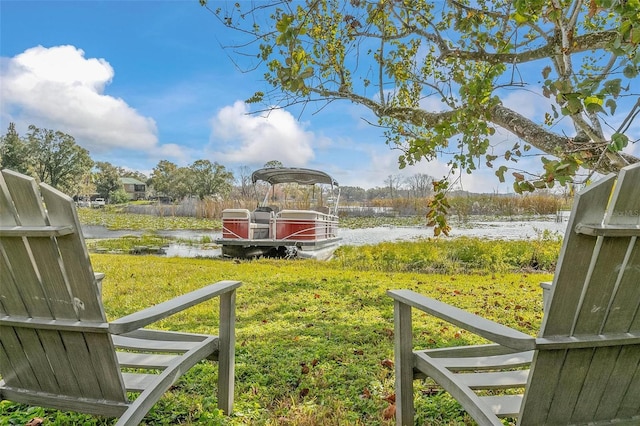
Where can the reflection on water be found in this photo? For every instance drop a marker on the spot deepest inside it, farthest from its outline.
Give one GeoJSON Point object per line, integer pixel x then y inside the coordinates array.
{"type": "Point", "coordinates": [506, 230]}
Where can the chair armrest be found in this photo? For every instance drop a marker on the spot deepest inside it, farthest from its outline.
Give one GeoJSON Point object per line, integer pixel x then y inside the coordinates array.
{"type": "Point", "coordinates": [488, 329]}
{"type": "Point", "coordinates": [162, 310]}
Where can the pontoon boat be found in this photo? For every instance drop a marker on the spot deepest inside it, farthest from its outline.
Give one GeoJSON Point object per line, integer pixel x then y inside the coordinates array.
{"type": "Point", "coordinates": [276, 230]}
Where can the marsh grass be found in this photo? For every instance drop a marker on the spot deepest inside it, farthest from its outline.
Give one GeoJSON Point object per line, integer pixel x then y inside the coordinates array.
{"type": "Point", "coordinates": [454, 256]}
{"type": "Point", "coordinates": [313, 340]}
{"type": "Point", "coordinates": [112, 217]}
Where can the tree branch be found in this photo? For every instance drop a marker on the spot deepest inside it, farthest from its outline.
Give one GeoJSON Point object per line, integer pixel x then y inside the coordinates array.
{"type": "Point", "coordinates": [550, 142]}
{"type": "Point", "coordinates": [581, 43]}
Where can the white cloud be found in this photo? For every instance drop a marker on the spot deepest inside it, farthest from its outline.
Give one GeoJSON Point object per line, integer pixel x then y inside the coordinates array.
{"type": "Point", "coordinates": [242, 138]}
{"type": "Point", "coordinates": [59, 88]}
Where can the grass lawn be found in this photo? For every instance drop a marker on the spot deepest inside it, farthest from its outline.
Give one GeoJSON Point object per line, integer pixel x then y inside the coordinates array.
{"type": "Point", "coordinates": [314, 340]}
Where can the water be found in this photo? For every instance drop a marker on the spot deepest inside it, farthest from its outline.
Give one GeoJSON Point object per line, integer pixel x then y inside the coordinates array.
{"type": "Point", "coordinates": [506, 230]}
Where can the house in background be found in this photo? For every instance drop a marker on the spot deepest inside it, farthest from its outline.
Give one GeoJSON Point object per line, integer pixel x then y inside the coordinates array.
{"type": "Point", "coordinates": [135, 189]}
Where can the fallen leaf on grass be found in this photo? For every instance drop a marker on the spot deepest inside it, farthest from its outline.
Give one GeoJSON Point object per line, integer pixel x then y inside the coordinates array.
{"type": "Point", "coordinates": [36, 421]}
{"type": "Point", "coordinates": [366, 394]}
{"type": "Point", "coordinates": [389, 412]}
{"type": "Point", "coordinates": [387, 363]}
{"type": "Point", "coordinates": [391, 398]}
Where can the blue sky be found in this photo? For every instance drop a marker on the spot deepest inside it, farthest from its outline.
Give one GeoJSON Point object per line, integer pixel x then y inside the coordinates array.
{"type": "Point", "coordinates": [136, 82]}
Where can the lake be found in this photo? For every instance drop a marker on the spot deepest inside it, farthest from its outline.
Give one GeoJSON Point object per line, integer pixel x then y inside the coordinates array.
{"type": "Point", "coordinates": [520, 229]}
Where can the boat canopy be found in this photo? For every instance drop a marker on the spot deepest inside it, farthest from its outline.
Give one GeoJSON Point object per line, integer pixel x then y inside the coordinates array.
{"type": "Point", "coordinates": [276, 175]}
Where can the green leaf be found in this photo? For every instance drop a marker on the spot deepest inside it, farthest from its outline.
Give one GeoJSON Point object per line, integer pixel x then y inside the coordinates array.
{"type": "Point", "coordinates": [592, 100]}
{"type": "Point", "coordinates": [630, 71]}
{"type": "Point", "coordinates": [520, 19]}
{"type": "Point", "coordinates": [613, 87]}
{"type": "Point", "coordinates": [500, 173]}
{"type": "Point", "coordinates": [611, 104]}
{"type": "Point", "coordinates": [618, 142]}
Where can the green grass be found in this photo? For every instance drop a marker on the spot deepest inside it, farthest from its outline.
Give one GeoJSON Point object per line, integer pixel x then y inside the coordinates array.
{"type": "Point", "coordinates": [314, 340]}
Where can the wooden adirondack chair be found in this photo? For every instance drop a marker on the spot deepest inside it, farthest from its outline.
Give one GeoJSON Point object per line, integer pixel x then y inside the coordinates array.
{"type": "Point", "coordinates": [57, 348]}
{"type": "Point", "coordinates": [584, 366]}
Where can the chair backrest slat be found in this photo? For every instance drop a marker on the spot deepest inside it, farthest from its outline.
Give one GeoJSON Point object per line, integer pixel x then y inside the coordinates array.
{"type": "Point", "coordinates": [74, 255]}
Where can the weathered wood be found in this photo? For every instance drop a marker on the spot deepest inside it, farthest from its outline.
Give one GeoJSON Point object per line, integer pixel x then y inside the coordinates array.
{"type": "Point", "coordinates": [56, 347]}
{"type": "Point", "coordinates": [481, 326]}
{"type": "Point", "coordinates": [403, 363]}
{"type": "Point", "coordinates": [608, 230]}
{"type": "Point", "coordinates": [35, 231]}
{"type": "Point", "coordinates": [163, 310]}
{"type": "Point", "coordinates": [585, 363]}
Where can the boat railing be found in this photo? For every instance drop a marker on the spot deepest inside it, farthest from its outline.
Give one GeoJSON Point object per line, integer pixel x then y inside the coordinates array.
{"type": "Point", "coordinates": [305, 225]}
{"type": "Point", "coordinates": [264, 224]}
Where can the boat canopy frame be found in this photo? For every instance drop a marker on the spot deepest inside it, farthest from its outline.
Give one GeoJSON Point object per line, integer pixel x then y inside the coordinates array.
{"type": "Point", "coordinates": [301, 176]}
{"type": "Point", "coordinates": [275, 175]}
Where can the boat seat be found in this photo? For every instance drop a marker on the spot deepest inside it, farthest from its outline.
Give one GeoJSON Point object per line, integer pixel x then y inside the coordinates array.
{"type": "Point", "coordinates": [261, 217]}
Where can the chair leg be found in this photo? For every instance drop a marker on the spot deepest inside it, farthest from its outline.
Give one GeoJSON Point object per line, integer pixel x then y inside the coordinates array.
{"type": "Point", "coordinates": [226, 357]}
{"type": "Point", "coordinates": [403, 347]}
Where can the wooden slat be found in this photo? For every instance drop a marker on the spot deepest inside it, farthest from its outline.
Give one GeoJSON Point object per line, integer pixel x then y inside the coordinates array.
{"type": "Point", "coordinates": [11, 302]}
{"type": "Point", "coordinates": [166, 335]}
{"type": "Point", "coordinates": [494, 380]}
{"type": "Point", "coordinates": [35, 231]}
{"type": "Point", "coordinates": [617, 384]}
{"type": "Point", "coordinates": [138, 382]}
{"type": "Point", "coordinates": [130, 343]}
{"type": "Point", "coordinates": [100, 407]}
{"type": "Point", "coordinates": [608, 230]}
{"type": "Point", "coordinates": [21, 285]}
{"type": "Point", "coordinates": [145, 361]}
{"type": "Point", "coordinates": [586, 341]}
{"type": "Point", "coordinates": [621, 314]}
{"type": "Point", "coordinates": [480, 412]}
{"type": "Point", "coordinates": [518, 359]}
{"type": "Point", "coordinates": [81, 280]}
{"type": "Point", "coordinates": [52, 324]}
{"type": "Point", "coordinates": [503, 405]}
{"type": "Point", "coordinates": [589, 397]}
{"type": "Point", "coordinates": [61, 366]}
{"type": "Point", "coordinates": [630, 406]}
{"type": "Point", "coordinates": [16, 369]}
